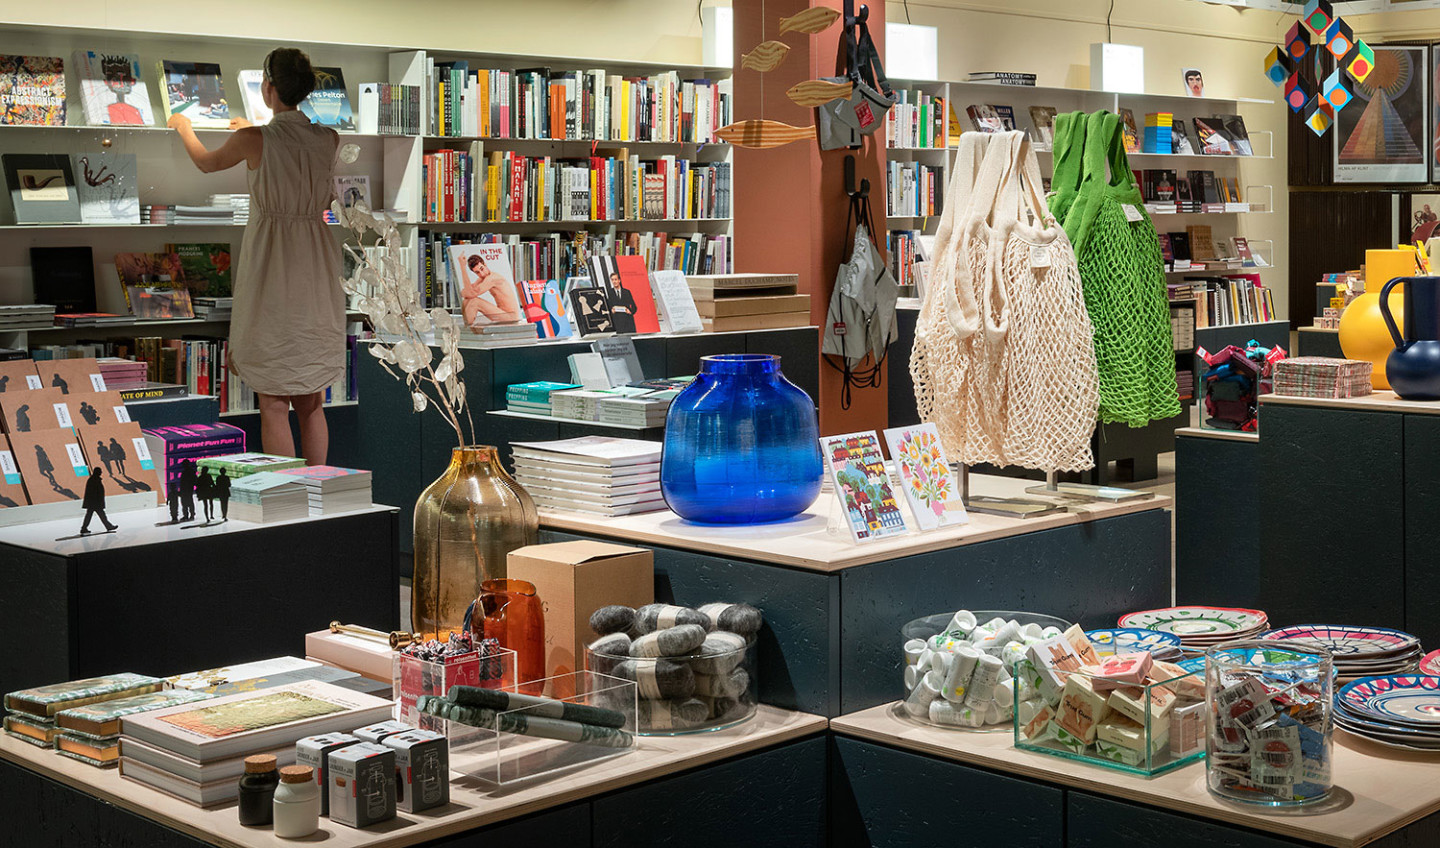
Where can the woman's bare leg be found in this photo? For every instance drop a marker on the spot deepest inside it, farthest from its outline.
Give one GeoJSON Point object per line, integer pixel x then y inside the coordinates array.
{"type": "Point", "coordinates": [275, 435]}
{"type": "Point", "coordinates": [314, 433]}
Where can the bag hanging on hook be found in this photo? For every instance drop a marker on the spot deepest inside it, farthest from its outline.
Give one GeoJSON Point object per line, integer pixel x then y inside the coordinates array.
{"type": "Point", "coordinates": [860, 320]}
{"type": "Point", "coordinates": [843, 122]}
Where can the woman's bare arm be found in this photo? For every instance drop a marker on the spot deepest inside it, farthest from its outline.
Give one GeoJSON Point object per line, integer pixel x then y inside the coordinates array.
{"type": "Point", "coordinates": [243, 145]}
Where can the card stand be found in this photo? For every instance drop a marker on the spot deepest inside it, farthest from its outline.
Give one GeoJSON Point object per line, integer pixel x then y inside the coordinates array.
{"type": "Point", "coordinates": [37, 513]}
{"type": "Point", "coordinates": [1086, 492]}
{"type": "Point", "coordinates": [415, 677]}
{"type": "Point", "coordinates": [1081, 723]}
{"type": "Point", "coordinates": [529, 749]}
{"type": "Point", "coordinates": [837, 526]}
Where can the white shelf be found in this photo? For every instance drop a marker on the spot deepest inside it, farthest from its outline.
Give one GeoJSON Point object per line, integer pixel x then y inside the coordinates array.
{"type": "Point", "coordinates": [919, 149]}
{"type": "Point", "coordinates": [1061, 90]}
{"type": "Point", "coordinates": [240, 412]}
{"type": "Point", "coordinates": [497, 141]}
{"type": "Point", "coordinates": [1206, 157]}
{"type": "Point", "coordinates": [505, 413]}
{"type": "Point", "coordinates": [657, 223]}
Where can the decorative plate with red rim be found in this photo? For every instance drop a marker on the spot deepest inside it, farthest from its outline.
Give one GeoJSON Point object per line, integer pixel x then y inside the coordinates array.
{"type": "Point", "coordinates": [1430, 663]}
{"type": "Point", "coordinates": [1412, 699]}
{"type": "Point", "coordinates": [1187, 622]}
{"type": "Point", "coordinates": [1345, 640]}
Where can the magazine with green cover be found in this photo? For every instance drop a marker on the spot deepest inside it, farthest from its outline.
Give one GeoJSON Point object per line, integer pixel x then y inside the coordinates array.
{"type": "Point", "coordinates": [46, 701]}
{"type": "Point", "coordinates": [205, 267]}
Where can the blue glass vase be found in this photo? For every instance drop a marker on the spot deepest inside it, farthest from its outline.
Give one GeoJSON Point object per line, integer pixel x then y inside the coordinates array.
{"type": "Point", "coordinates": [741, 444]}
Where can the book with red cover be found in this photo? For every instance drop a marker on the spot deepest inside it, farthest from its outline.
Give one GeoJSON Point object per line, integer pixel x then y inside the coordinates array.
{"type": "Point", "coordinates": [634, 292]}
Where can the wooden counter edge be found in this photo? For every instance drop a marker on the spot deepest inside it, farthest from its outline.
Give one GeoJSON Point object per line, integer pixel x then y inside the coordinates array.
{"type": "Point", "coordinates": [422, 827]}
{"type": "Point", "coordinates": [1048, 769]}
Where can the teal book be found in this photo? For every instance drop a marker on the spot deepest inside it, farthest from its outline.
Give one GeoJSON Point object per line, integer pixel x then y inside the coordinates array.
{"type": "Point", "coordinates": [46, 701]}
{"type": "Point", "coordinates": [537, 392]}
{"type": "Point", "coordinates": [102, 720]}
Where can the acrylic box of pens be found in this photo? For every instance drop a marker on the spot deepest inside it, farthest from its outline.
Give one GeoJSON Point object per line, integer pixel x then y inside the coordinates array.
{"type": "Point", "coordinates": [506, 735]}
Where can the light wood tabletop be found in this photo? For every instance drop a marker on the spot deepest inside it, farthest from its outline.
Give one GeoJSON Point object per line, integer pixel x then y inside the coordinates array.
{"type": "Point", "coordinates": [1380, 400]}
{"type": "Point", "coordinates": [473, 803]}
{"type": "Point", "coordinates": [1378, 790]}
{"type": "Point", "coordinates": [817, 539]}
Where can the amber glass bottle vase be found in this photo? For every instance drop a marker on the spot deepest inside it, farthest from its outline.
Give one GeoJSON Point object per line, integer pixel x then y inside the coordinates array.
{"type": "Point", "coordinates": [466, 523]}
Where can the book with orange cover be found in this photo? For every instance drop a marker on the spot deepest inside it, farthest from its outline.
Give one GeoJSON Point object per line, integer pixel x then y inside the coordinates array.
{"type": "Point", "coordinates": [35, 410]}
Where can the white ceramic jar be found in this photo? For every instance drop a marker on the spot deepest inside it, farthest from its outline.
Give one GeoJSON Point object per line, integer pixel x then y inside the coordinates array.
{"type": "Point", "coordinates": [297, 803]}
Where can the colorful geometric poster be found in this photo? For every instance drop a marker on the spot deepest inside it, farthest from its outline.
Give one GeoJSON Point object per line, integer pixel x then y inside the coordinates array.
{"type": "Point", "coordinates": [1381, 135]}
{"type": "Point", "coordinates": [862, 485]}
{"type": "Point", "coordinates": [925, 476]}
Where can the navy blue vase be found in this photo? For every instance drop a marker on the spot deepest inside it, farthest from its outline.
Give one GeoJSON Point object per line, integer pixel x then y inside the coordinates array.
{"type": "Point", "coordinates": [741, 444]}
{"type": "Point", "coordinates": [1413, 367]}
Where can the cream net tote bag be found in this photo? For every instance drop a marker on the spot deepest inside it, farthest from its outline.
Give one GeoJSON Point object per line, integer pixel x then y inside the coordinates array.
{"type": "Point", "coordinates": [1004, 361]}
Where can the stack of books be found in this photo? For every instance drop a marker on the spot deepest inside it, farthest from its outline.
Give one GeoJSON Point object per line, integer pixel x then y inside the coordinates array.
{"type": "Point", "coordinates": [1002, 78]}
{"type": "Point", "coordinates": [91, 319]}
{"type": "Point", "coordinates": [267, 496]}
{"type": "Point", "coordinates": [155, 213]}
{"type": "Point", "coordinates": [1322, 377]}
{"type": "Point", "coordinates": [500, 335]}
{"type": "Point", "coordinates": [196, 752]}
{"type": "Point", "coordinates": [91, 733]}
{"type": "Point", "coordinates": [533, 398]}
{"type": "Point", "coordinates": [25, 315]}
{"type": "Point", "coordinates": [30, 714]}
{"type": "Point", "coordinates": [582, 404]}
{"type": "Point", "coordinates": [213, 308]}
{"type": "Point", "coordinates": [729, 302]}
{"type": "Point", "coordinates": [592, 474]}
{"type": "Point", "coordinates": [330, 489]}
{"type": "Point", "coordinates": [239, 205]}
{"type": "Point", "coordinates": [1158, 132]}
{"type": "Point", "coordinates": [645, 410]}
{"type": "Point", "coordinates": [214, 214]}
{"type": "Point", "coordinates": [120, 374]}
{"type": "Point", "coordinates": [238, 465]}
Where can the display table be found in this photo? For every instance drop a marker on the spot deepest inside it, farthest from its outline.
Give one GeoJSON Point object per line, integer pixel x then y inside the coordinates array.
{"type": "Point", "coordinates": [1217, 517]}
{"type": "Point", "coordinates": [908, 783]}
{"type": "Point", "coordinates": [834, 609]}
{"type": "Point", "coordinates": [759, 783]}
{"type": "Point", "coordinates": [150, 599]}
{"type": "Point", "coordinates": [1348, 495]}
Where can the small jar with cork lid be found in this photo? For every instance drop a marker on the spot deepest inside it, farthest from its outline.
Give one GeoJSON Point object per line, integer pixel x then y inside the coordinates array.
{"type": "Point", "coordinates": [297, 803]}
{"type": "Point", "coordinates": [257, 790]}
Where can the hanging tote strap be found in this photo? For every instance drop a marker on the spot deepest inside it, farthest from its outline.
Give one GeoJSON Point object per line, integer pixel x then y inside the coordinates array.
{"type": "Point", "coordinates": [1069, 147]}
{"type": "Point", "coordinates": [863, 59]}
{"type": "Point", "coordinates": [950, 283]}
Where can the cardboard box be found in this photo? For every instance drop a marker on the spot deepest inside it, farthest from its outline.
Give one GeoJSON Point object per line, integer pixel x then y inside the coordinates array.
{"type": "Point", "coordinates": [572, 580]}
{"type": "Point", "coordinates": [367, 657]}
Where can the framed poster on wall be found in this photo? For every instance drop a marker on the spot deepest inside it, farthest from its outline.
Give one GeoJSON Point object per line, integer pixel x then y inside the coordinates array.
{"type": "Point", "coordinates": [1382, 135]}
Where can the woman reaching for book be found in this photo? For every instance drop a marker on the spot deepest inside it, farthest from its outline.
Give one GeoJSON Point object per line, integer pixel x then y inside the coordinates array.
{"type": "Point", "coordinates": [287, 333]}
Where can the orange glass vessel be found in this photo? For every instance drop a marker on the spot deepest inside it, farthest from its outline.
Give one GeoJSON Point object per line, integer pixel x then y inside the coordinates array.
{"type": "Point", "coordinates": [514, 616]}
{"type": "Point", "coordinates": [466, 523]}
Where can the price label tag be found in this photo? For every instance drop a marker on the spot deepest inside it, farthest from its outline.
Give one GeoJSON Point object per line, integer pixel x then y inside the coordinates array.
{"type": "Point", "coordinates": [77, 459]}
{"type": "Point", "coordinates": [1040, 256]}
{"type": "Point", "coordinates": [33, 381]}
{"type": "Point", "coordinates": [142, 452]}
{"type": "Point", "coordinates": [122, 414]}
{"type": "Point", "coordinates": [1132, 212]}
{"type": "Point", "coordinates": [62, 415]}
{"type": "Point", "coordinates": [97, 383]}
{"type": "Point", "coordinates": [8, 468]}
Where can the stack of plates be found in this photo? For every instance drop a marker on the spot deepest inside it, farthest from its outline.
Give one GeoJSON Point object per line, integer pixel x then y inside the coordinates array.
{"type": "Point", "coordinates": [1124, 640]}
{"type": "Point", "coordinates": [1358, 651]}
{"type": "Point", "coordinates": [1200, 628]}
{"type": "Point", "coordinates": [1399, 711]}
{"type": "Point", "coordinates": [1430, 663]}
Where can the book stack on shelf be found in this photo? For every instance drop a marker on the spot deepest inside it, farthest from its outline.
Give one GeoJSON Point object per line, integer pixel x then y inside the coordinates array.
{"type": "Point", "coordinates": [238, 204]}
{"type": "Point", "coordinates": [908, 250]}
{"type": "Point", "coordinates": [913, 189]}
{"type": "Point", "coordinates": [196, 752]}
{"type": "Point", "coordinates": [213, 214]}
{"type": "Point", "coordinates": [594, 474]}
{"type": "Point", "coordinates": [1002, 77]}
{"type": "Point", "coordinates": [642, 405]}
{"type": "Point", "coordinates": [26, 315]}
{"type": "Point", "coordinates": [916, 120]}
{"type": "Point", "coordinates": [1196, 249]}
{"type": "Point", "coordinates": [539, 103]}
{"type": "Point", "coordinates": [387, 108]}
{"type": "Point", "coordinates": [1159, 128]}
{"type": "Point", "coordinates": [121, 374]}
{"type": "Point", "coordinates": [330, 489]}
{"type": "Point", "coordinates": [238, 465]}
{"type": "Point", "coordinates": [265, 496]}
{"type": "Point", "coordinates": [214, 308]}
{"type": "Point", "coordinates": [1167, 192]}
{"type": "Point", "coordinates": [1223, 301]}
{"type": "Point", "coordinates": [728, 302]}
{"type": "Point", "coordinates": [534, 398]}
{"type": "Point", "coordinates": [157, 213]}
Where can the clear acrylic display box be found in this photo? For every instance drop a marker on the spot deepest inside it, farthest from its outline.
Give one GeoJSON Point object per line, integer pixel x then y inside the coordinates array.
{"type": "Point", "coordinates": [504, 753]}
{"type": "Point", "coordinates": [1144, 730]}
{"type": "Point", "coordinates": [415, 677]}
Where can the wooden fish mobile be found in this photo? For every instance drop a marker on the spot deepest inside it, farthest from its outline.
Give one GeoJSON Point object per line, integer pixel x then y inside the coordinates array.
{"type": "Point", "coordinates": [766, 56]}
{"type": "Point", "coordinates": [760, 134]}
{"type": "Point", "coordinates": [811, 20]}
{"type": "Point", "coordinates": [819, 92]}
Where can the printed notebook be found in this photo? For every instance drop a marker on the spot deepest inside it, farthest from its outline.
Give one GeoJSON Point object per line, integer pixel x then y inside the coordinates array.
{"type": "Point", "coordinates": [19, 375]}
{"type": "Point", "coordinates": [52, 465]}
{"type": "Point", "coordinates": [35, 410]}
{"type": "Point", "coordinates": [71, 376]}
{"type": "Point", "coordinates": [12, 491]}
{"type": "Point", "coordinates": [103, 719]}
{"type": "Point", "coordinates": [862, 486]}
{"type": "Point", "coordinates": [46, 701]}
{"type": "Point", "coordinates": [925, 476]}
{"type": "Point", "coordinates": [121, 450]}
{"type": "Point", "coordinates": [112, 90]}
{"type": "Point", "coordinates": [91, 408]}
{"type": "Point", "coordinates": [32, 90]}
{"type": "Point", "coordinates": [195, 90]}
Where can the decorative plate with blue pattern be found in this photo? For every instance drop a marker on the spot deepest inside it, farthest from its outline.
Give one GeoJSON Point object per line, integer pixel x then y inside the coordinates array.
{"type": "Point", "coordinates": [1344, 640]}
{"type": "Point", "coordinates": [1411, 699]}
{"type": "Point", "coordinates": [1122, 640]}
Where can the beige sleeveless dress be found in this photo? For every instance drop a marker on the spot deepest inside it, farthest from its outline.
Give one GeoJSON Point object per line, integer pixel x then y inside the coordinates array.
{"type": "Point", "coordinates": [287, 330]}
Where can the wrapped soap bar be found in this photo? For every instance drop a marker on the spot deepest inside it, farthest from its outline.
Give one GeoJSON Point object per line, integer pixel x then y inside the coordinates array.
{"type": "Point", "coordinates": [1132, 702]}
{"type": "Point", "coordinates": [1075, 635]}
{"type": "Point", "coordinates": [1120, 754]}
{"type": "Point", "coordinates": [1053, 659]}
{"type": "Point", "coordinates": [1189, 686]}
{"type": "Point", "coordinates": [1123, 670]}
{"type": "Point", "coordinates": [1041, 716]}
{"type": "Point", "coordinates": [1119, 730]}
{"type": "Point", "coordinates": [1066, 739]}
{"type": "Point", "coordinates": [1187, 729]}
{"type": "Point", "coordinates": [1081, 708]}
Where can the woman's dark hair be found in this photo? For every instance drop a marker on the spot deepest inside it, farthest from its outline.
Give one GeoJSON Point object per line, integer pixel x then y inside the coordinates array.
{"type": "Point", "coordinates": [290, 72]}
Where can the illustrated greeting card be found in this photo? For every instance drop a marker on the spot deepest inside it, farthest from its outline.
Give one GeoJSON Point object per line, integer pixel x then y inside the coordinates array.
{"type": "Point", "coordinates": [925, 476]}
{"type": "Point", "coordinates": [862, 486]}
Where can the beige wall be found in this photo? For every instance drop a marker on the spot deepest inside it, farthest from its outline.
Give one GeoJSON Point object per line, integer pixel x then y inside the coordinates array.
{"type": "Point", "coordinates": [1052, 38]}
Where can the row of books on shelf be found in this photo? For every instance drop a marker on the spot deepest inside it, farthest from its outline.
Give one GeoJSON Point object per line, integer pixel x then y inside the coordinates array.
{"type": "Point", "coordinates": [908, 251]}
{"type": "Point", "coordinates": [916, 120]}
{"type": "Point", "coordinates": [1218, 135]}
{"type": "Point", "coordinates": [913, 189]}
{"type": "Point", "coordinates": [1222, 301]}
{"type": "Point", "coordinates": [1196, 249]}
{"type": "Point", "coordinates": [611, 184]}
{"type": "Point", "coordinates": [541, 103]}
{"type": "Point", "coordinates": [1196, 191]}
{"type": "Point", "coordinates": [560, 256]}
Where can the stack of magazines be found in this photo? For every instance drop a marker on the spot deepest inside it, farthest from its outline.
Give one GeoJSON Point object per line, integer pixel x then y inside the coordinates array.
{"type": "Point", "coordinates": [592, 474]}
{"type": "Point", "coordinates": [331, 489]}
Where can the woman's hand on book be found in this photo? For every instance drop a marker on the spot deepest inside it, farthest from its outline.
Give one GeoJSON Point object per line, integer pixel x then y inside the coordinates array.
{"type": "Point", "coordinates": [239, 124]}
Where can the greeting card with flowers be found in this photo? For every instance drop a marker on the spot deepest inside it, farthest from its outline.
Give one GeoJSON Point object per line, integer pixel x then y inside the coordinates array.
{"type": "Point", "coordinates": [930, 488]}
